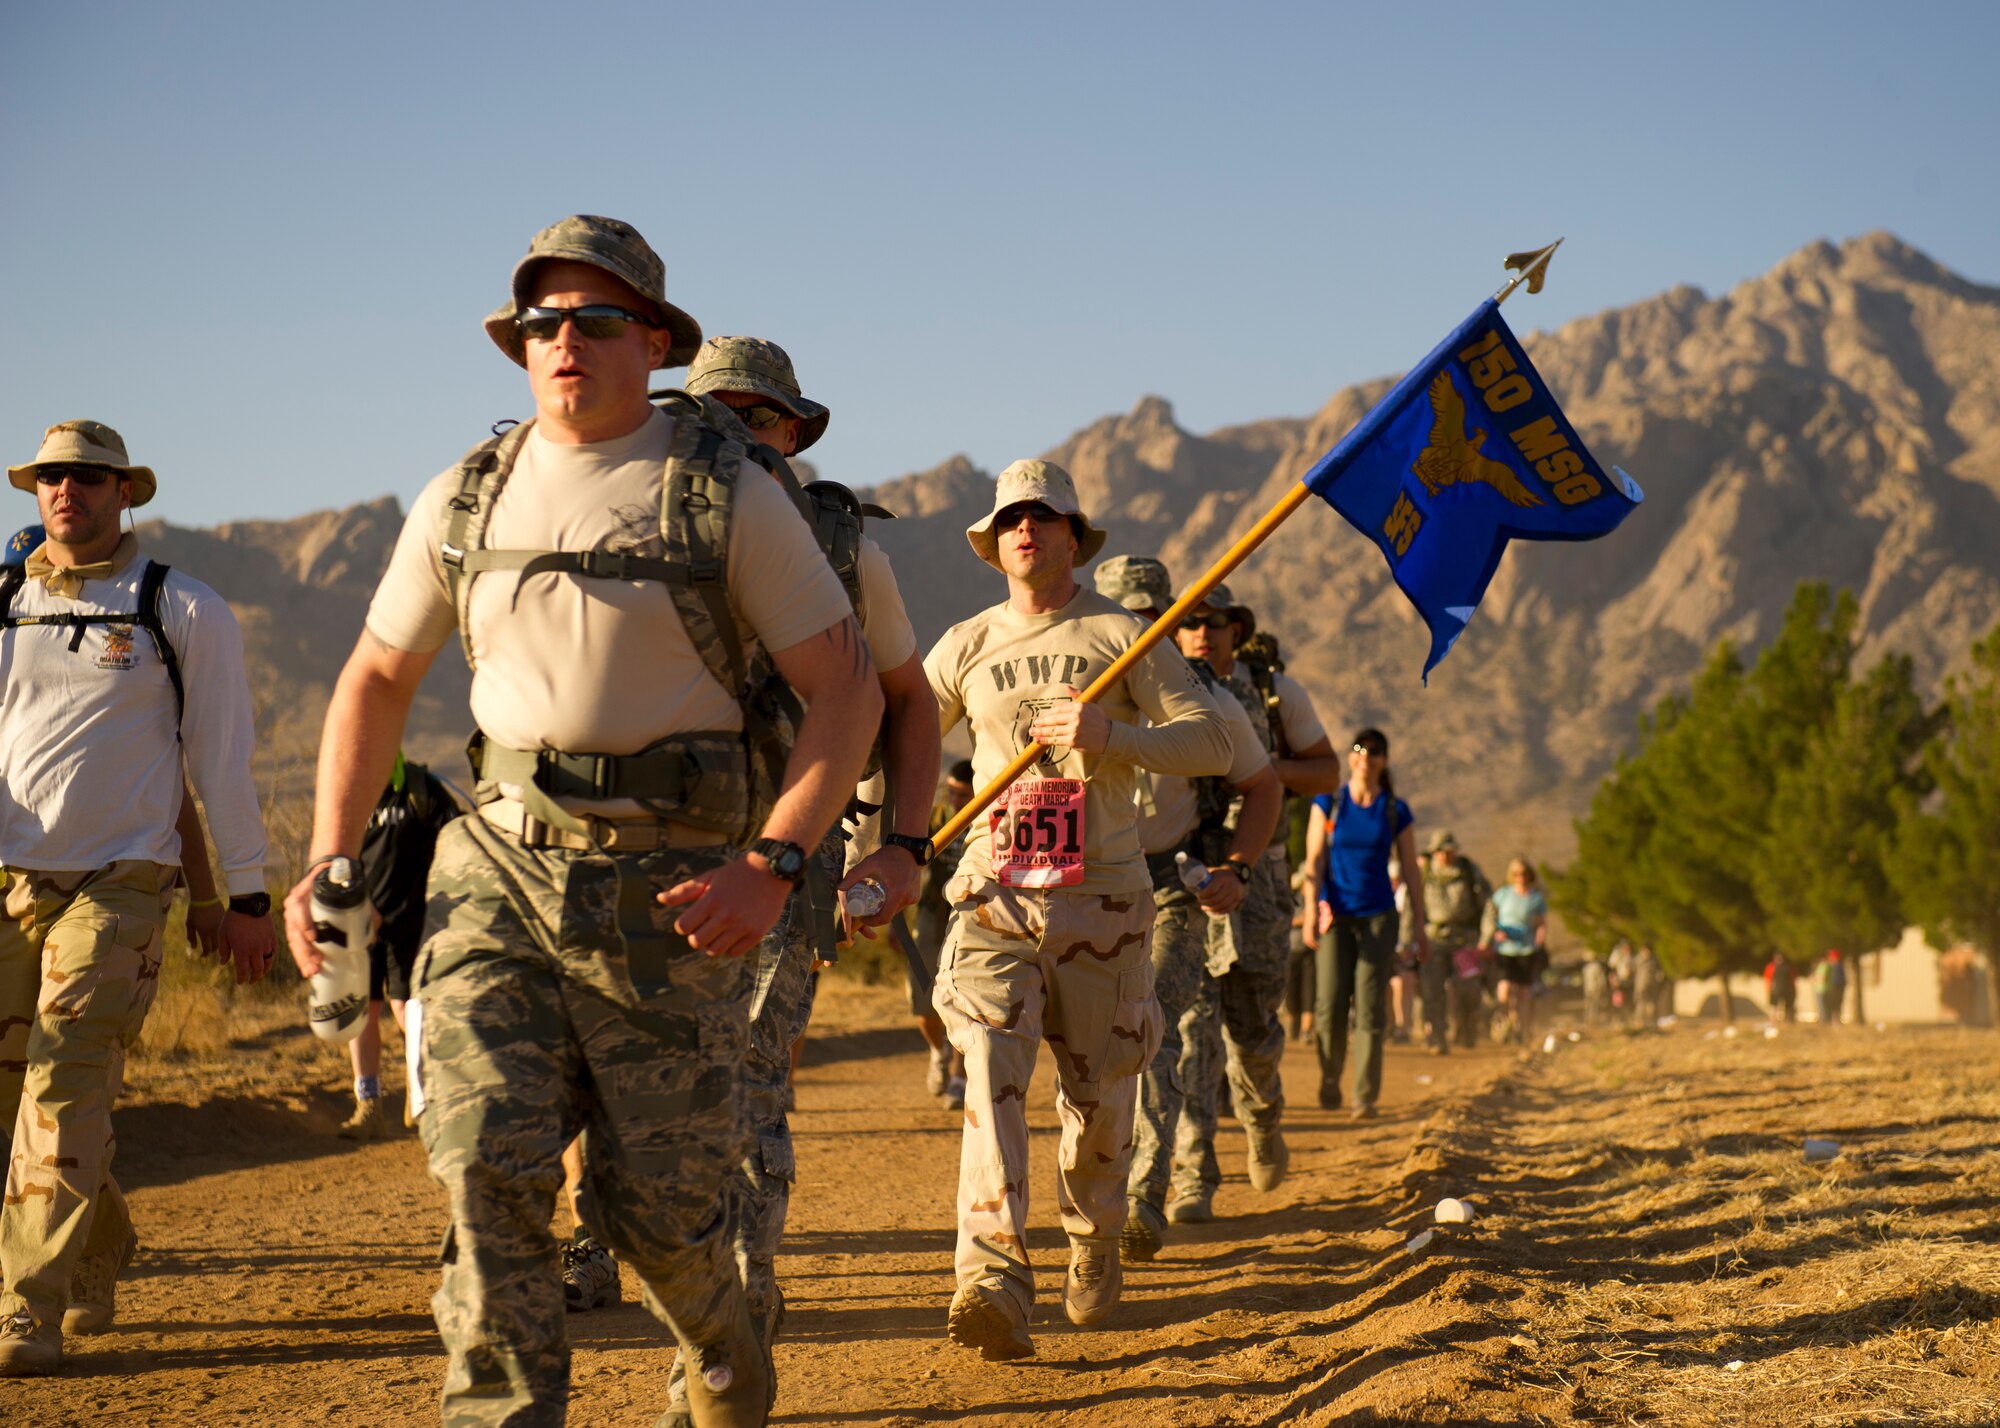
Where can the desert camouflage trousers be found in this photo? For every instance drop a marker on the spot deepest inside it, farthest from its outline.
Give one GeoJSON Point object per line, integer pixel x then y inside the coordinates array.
{"type": "Point", "coordinates": [781, 1002]}
{"type": "Point", "coordinates": [1023, 965]}
{"type": "Point", "coordinates": [79, 964]}
{"type": "Point", "coordinates": [558, 999]}
{"type": "Point", "coordinates": [1235, 1026]}
{"type": "Point", "coordinates": [1180, 936]}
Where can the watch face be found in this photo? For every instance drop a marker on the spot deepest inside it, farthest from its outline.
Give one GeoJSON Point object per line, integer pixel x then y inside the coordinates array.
{"type": "Point", "coordinates": [251, 904]}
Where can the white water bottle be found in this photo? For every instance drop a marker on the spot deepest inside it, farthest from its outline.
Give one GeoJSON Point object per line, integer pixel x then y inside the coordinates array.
{"type": "Point", "coordinates": [864, 899]}
{"type": "Point", "coordinates": [340, 926]}
{"type": "Point", "coordinates": [1194, 876]}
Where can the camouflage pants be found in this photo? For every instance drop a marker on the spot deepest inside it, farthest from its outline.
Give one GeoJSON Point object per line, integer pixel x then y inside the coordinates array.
{"type": "Point", "coordinates": [1235, 1026]}
{"type": "Point", "coordinates": [1180, 931]}
{"type": "Point", "coordinates": [1023, 965]}
{"type": "Point", "coordinates": [79, 964]}
{"type": "Point", "coordinates": [558, 999]}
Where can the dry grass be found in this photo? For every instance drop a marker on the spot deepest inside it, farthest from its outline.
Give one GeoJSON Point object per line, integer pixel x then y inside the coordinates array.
{"type": "Point", "coordinates": [1674, 1259]}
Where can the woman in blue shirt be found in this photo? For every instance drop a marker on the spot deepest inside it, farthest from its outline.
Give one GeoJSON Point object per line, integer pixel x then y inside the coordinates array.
{"type": "Point", "coordinates": [1348, 842]}
{"type": "Point", "coordinates": [1516, 927]}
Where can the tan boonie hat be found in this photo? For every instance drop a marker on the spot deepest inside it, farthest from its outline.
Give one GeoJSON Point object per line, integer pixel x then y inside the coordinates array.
{"type": "Point", "coordinates": [1138, 582]}
{"type": "Point", "coordinates": [1042, 481]}
{"type": "Point", "coordinates": [750, 364]}
{"type": "Point", "coordinates": [1442, 839]}
{"type": "Point", "coordinates": [616, 248]}
{"type": "Point", "coordinates": [85, 443]}
{"type": "Point", "coordinates": [1219, 598]}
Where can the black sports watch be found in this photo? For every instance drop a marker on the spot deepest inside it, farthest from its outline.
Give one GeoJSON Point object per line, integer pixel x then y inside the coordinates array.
{"type": "Point", "coordinates": [922, 849]}
{"type": "Point", "coordinates": [257, 904]}
{"type": "Point", "coordinates": [787, 860]}
{"type": "Point", "coordinates": [1238, 867]}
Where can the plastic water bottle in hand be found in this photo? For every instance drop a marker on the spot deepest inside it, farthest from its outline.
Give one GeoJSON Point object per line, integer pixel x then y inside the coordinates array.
{"type": "Point", "coordinates": [1194, 876]}
{"type": "Point", "coordinates": [864, 899]}
{"type": "Point", "coordinates": [340, 926]}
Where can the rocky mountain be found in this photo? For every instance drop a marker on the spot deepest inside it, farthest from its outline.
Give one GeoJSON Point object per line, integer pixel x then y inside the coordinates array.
{"type": "Point", "coordinates": [1837, 418]}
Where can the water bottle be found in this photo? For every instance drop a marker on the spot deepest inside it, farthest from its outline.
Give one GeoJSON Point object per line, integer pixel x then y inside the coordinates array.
{"type": "Point", "coordinates": [340, 926]}
{"type": "Point", "coordinates": [864, 899]}
{"type": "Point", "coordinates": [1194, 876]}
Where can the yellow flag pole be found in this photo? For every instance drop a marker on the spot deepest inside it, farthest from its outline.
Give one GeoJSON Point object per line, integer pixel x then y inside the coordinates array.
{"type": "Point", "coordinates": [1532, 266]}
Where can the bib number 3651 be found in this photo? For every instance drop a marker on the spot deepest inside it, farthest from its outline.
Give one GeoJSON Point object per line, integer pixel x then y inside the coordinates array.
{"type": "Point", "coordinates": [1037, 830]}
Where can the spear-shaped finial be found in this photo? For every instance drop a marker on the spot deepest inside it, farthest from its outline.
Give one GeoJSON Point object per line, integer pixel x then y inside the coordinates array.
{"type": "Point", "coordinates": [1529, 267]}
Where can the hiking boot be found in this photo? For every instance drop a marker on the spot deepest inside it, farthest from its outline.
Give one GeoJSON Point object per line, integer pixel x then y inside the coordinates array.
{"type": "Point", "coordinates": [368, 1122]}
{"type": "Point", "coordinates": [1090, 1292]}
{"type": "Point", "coordinates": [1195, 1209]}
{"type": "Point", "coordinates": [589, 1276]}
{"type": "Point", "coordinates": [1144, 1235]}
{"type": "Point", "coordinates": [986, 1320]}
{"type": "Point", "coordinates": [954, 1094]}
{"type": "Point", "coordinates": [1270, 1157]}
{"type": "Point", "coordinates": [28, 1349]}
{"type": "Point", "coordinates": [1329, 1097]}
{"type": "Point", "coordinates": [939, 1073]}
{"type": "Point", "coordinates": [93, 1288]}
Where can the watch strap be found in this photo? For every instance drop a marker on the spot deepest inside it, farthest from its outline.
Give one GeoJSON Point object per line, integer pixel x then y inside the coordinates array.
{"type": "Point", "coordinates": [922, 849]}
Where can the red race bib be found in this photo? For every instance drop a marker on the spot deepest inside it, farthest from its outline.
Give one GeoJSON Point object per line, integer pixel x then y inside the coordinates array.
{"type": "Point", "coordinates": [1037, 833]}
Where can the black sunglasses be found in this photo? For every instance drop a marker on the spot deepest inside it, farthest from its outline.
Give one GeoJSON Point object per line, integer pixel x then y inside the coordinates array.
{"type": "Point", "coordinates": [1011, 515]}
{"type": "Point", "coordinates": [1372, 753]}
{"type": "Point", "coordinates": [759, 418]}
{"type": "Point", "coordinates": [599, 320]}
{"type": "Point", "coordinates": [1209, 621]}
{"type": "Point", "coordinates": [82, 475]}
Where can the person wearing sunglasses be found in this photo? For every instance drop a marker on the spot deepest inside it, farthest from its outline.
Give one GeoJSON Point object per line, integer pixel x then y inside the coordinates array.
{"type": "Point", "coordinates": [755, 378]}
{"type": "Point", "coordinates": [1223, 826]}
{"type": "Point", "coordinates": [1350, 839]}
{"type": "Point", "coordinates": [123, 679]}
{"type": "Point", "coordinates": [1235, 1027]}
{"type": "Point", "coordinates": [619, 574]}
{"type": "Point", "coordinates": [1052, 911]}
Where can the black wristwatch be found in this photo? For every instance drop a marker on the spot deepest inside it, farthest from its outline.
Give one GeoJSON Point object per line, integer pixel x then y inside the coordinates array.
{"type": "Point", "coordinates": [1238, 867]}
{"type": "Point", "coordinates": [922, 849]}
{"type": "Point", "coordinates": [787, 860]}
{"type": "Point", "coordinates": [256, 904]}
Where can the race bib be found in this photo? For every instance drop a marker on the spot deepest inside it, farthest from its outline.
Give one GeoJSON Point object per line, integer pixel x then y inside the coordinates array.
{"type": "Point", "coordinates": [1037, 833]}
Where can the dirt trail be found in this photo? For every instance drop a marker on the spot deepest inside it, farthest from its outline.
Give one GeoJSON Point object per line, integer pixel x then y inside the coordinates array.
{"type": "Point", "coordinates": [285, 1277]}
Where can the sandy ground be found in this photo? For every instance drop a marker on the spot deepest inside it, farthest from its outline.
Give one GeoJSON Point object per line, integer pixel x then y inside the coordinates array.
{"type": "Point", "coordinates": [1647, 1220]}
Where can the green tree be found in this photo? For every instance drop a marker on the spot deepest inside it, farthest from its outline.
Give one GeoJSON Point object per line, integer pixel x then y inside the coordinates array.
{"type": "Point", "coordinates": [1948, 867]}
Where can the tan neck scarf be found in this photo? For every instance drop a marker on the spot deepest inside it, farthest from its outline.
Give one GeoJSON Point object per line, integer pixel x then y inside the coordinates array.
{"type": "Point", "coordinates": [67, 580]}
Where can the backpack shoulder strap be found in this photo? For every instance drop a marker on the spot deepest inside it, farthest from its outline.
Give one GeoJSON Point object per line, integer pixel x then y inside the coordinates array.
{"type": "Point", "coordinates": [482, 475]}
{"type": "Point", "coordinates": [837, 524]}
{"type": "Point", "coordinates": [151, 584]}
{"type": "Point", "coordinates": [11, 579]}
{"type": "Point", "coordinates": [697, 499]}
{"type": "Point", "coordinates": [1266, 681]}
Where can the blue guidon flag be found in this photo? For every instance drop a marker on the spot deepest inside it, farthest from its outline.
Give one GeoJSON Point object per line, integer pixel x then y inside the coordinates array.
{"type": "Point", "coordinates": [1466, 453]}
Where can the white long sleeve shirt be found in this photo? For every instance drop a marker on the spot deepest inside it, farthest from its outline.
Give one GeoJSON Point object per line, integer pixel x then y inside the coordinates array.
{"type": "Point", "coordinates": [90, 771]}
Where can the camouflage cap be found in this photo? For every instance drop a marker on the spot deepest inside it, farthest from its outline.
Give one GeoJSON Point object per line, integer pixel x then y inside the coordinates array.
{"type": "Point", "coordinates": [750, 364]}
{"type": "Point", "coordinates": [1042, 481]}
{"type": "Point", "coordinates": [1138, 582]}
{"type": "Point", "coordinates": [1443, 838]}
{"type": "Point", "coordinates": [617, 249]}
{"type": "Point", "coordinates": [1219, 598]}
{"type": "Point", "coordinates": [85, 443]}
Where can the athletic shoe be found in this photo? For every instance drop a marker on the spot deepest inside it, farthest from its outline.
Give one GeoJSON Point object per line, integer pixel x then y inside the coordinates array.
{"type": "Point", "coordinates": [987, 1320]}
{"type": "Point", "coordinates": [1195, 1209]}
{"type": "Point", "coordinates": [1365, 1111]}
{"type": "Point", "coordinates": [1329, 1096]}
{"type": "Point", "coordinates": [28, 1349]}
{"type": "Point", "coordinates": [93, 1288]}
{"type": "Point", "coordinates": [939, 1073]}
{"type": "Point", "coordinates": [953, 1098]}
{"type": "Point", "coordinates": [1090, 1291]}
{"type": "Point", "coordinates": [1270, 1157]}
{"type": "Point", "coordinates": [1144, 1235]}
{"type": "Point", "coordinates": [368, 1121]}
{"type": "Point", "coordinates": [589, 1276]}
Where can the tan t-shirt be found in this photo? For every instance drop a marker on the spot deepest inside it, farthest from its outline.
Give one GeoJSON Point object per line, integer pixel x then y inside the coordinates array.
{"type": "Point", "coordinates": [1167, 809]}
{"type": "Point", "coordinates": [601, 666]}
{"type": "Point", "coordinates": [998, 669]}
{"type": "Point", "coordinates": [1296, 714]}
{"type": "Point", "coordinates": [885, 624]}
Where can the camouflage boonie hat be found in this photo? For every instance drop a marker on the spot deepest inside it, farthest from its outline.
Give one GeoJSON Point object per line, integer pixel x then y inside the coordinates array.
{"type": "Point", "coordinates": [85, 443]}
{"type": "Point", "coordinates": [617, 249]}
{"type": "Point", "coordinates": [1042, 481]}
{"type": "Point", "coordinates": [1219, 598]}
{"type": "Point", "coordinates": [1138, 582]}
{"type": "Point", "coordinates": [1441, 839]}
{"type": "Point", "coordinates": [750, 364]}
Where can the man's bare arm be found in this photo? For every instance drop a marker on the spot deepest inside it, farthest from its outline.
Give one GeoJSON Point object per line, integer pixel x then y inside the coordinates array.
{"type": "Point", "coordinates": [357, 749]}
{"type": "Point", "coordinates": [911, 761]}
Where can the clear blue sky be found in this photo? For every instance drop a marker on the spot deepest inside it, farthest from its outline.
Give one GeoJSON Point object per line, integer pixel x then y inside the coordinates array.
{"type": "Point", "coordinates": [259, 238]}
